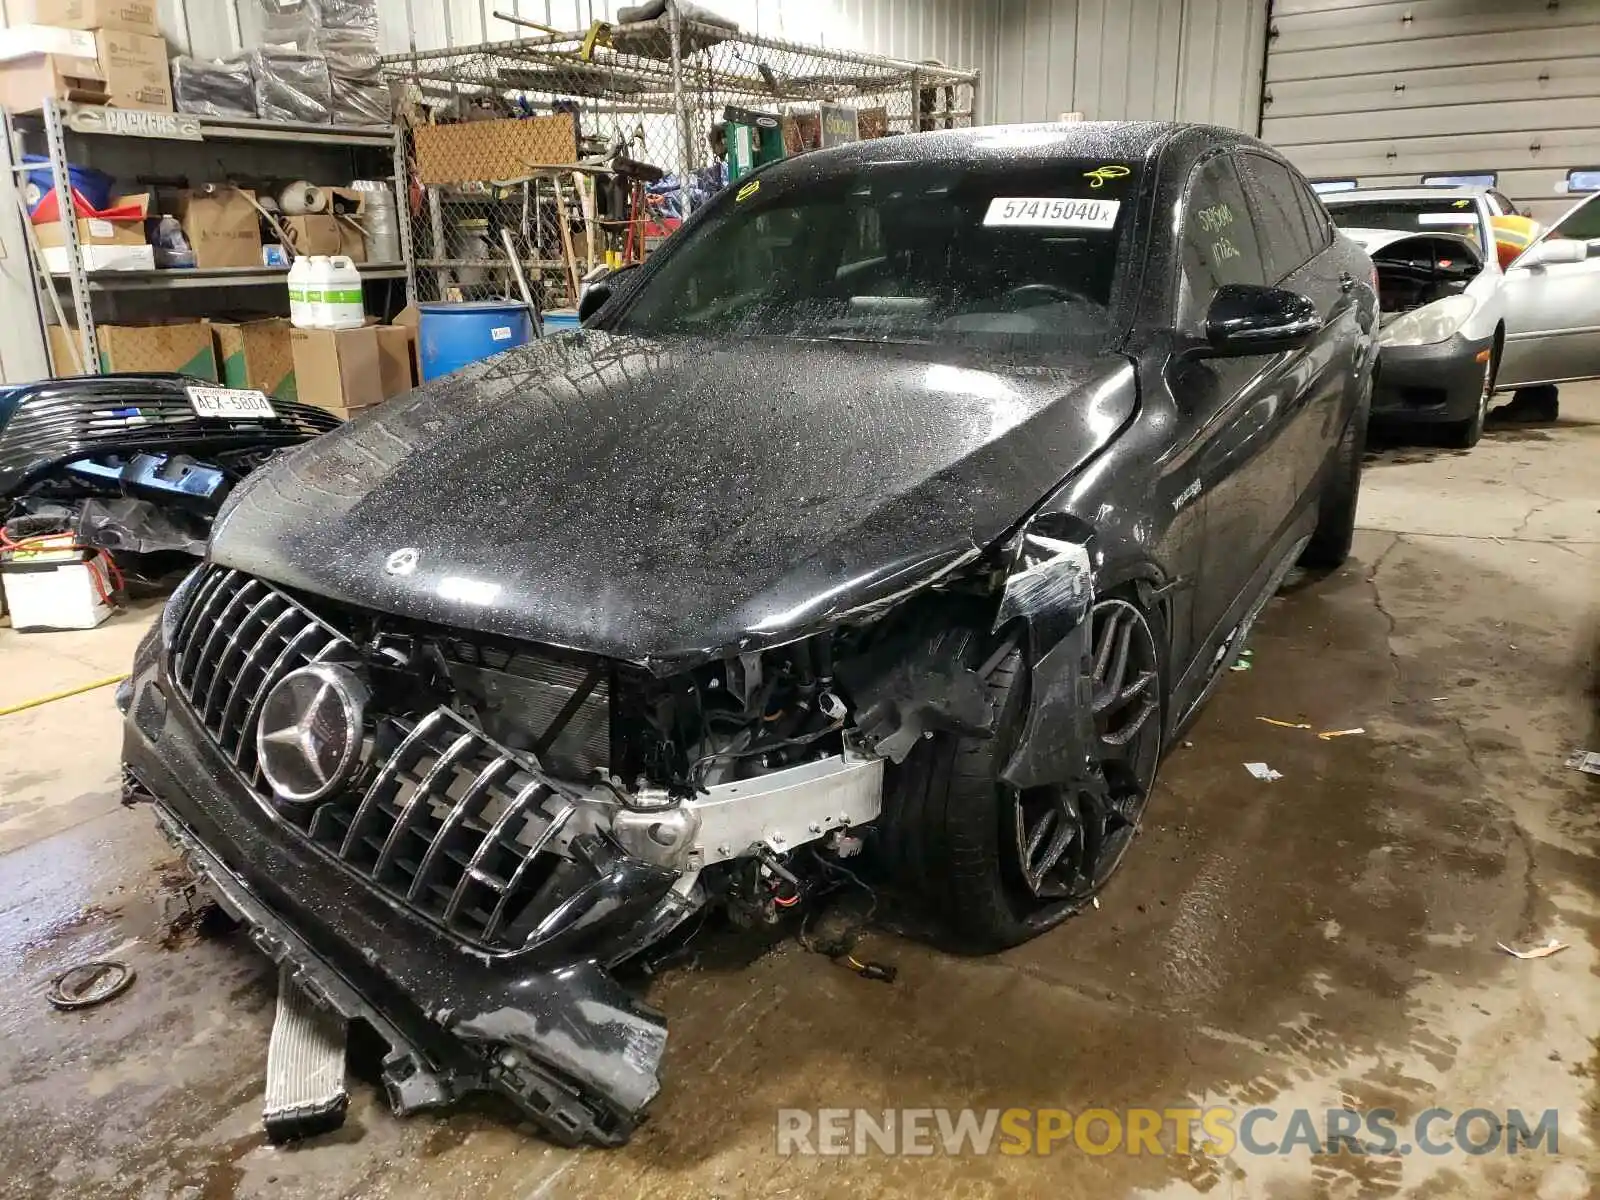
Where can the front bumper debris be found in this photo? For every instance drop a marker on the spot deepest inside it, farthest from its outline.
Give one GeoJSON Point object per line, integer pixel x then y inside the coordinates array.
{"type": "Point", "coordinates": [575, 1051]}
{"type": "Point", "coordinates": [305, 1066]}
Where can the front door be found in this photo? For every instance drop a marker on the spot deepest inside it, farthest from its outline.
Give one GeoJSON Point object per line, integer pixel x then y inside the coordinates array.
{"type": "Point", "coordinates": [1553, 310]}
{"type": "Point", "coordinates": [1234, 457]}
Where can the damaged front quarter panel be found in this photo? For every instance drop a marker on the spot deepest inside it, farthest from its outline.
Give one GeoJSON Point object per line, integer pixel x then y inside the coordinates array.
{"type": "Point", "coordinates": [1049, 595]}
{"type": "Point", "coordinates": [922, 678]}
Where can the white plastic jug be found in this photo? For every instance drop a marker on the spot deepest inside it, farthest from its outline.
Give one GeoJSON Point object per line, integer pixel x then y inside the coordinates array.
{"type": "Point", "coordinates": [341, 296]}
{"type": "Point", "coordinates": [300, 314]}
{"type": "Point", "coordinates": [317, 276]}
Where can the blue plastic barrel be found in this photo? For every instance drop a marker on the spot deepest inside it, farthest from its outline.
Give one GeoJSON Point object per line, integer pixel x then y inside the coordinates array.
{"type": "Point", "coordinates": [460, 332]}
{"type": "Point", "coordinates": [557, 320]}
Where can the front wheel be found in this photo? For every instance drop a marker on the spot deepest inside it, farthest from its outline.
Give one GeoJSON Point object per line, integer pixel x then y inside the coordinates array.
{"type": "Point", "coordinates": [1466, 433]}
{"type": "Point", "coordinates": [998, 865]}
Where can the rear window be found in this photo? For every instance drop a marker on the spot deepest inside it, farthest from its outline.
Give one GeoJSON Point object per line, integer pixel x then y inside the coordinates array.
{"type": "Point", "coordinates": [1443, 214]}
{"type": "Point", "coordinates": [899, 251]}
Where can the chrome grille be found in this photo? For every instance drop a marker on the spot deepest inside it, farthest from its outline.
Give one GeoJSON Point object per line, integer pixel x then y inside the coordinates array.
{"type": "Point", "coordinates": [450, 823]}
{"type": "Point", "coordinates": [237, 638]}
{"type": "Point", "coordinates": [455, 825]}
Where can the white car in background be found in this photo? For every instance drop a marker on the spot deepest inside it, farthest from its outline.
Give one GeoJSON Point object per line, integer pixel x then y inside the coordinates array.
{"type": "Point", "coordinates": [1456, 328]}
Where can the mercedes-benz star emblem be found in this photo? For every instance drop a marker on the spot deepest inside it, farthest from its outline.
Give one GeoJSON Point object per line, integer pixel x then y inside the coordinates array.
{"type": "Point", "coordinates": [310, 736]}
{"type": "Point", "coordinates": [402, 562]}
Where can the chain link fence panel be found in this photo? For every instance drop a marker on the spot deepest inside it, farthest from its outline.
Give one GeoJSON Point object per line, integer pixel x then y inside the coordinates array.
{"type": "Point", "coordinates": [562, 152]}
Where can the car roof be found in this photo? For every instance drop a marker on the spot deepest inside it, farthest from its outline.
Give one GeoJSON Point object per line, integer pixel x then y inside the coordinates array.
{"type": "Point", "coordinates": [1001, 144]}
{"type": "Point", "coordinates": [1421, 191]}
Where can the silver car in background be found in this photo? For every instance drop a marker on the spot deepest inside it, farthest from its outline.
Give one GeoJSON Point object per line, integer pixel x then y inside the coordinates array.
{"type": "Point", "coordinates": [1459, 328]}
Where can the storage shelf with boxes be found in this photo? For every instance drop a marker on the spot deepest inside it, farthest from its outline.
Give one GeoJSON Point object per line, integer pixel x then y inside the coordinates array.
{"type": "Point", "coordinates": [200, 173]}
{"type": "Point", "coordinates": [182, 232]}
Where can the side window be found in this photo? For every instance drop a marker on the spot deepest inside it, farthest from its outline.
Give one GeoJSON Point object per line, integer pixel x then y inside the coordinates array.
{"type": "Point", "coordinates": [1502, 206]}
{"type": "Point", "coordinates": [1286, 235]}
{"type": "Point", "coordinates": [1582, 223]}
{"type": "Point", "coordinates": [1317, 218]}
{"type": "Point", "coordinates": [1218, 240]}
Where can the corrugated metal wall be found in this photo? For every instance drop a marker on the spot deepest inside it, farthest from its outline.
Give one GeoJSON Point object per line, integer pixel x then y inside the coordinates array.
{"type": "Point", "coordinates": [957, 32]}
{"type": "Point", "coordinates": [1192, 60]}
{"type": "Point", "coordinates": [1387, 92]}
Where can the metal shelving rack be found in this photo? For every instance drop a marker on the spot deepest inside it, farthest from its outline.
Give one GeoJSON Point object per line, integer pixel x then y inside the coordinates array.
{"type": "Point", "coordinates": [62, 121]}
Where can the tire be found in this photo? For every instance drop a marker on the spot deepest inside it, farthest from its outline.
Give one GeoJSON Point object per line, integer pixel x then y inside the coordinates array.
{"type": "Point", "coordinates": [950, 827]}
{"type": "Point", "coordinates": [1336, 508]}
{"type": "Point", "coordinates": [1541, 402]}
{"type": "Point", "coordinates": [1465, 434]}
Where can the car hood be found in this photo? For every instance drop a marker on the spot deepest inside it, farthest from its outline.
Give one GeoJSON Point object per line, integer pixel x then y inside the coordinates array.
{"type": "Point", "coordinates": [664, 500]}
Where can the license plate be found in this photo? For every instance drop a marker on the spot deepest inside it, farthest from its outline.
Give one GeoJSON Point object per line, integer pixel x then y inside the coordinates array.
{"type": "Point", "coordinates": [234, 404]}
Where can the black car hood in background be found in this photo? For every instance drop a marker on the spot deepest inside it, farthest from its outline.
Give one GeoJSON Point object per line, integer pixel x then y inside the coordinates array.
{"type": "Point", "coordinates": [659, 500]}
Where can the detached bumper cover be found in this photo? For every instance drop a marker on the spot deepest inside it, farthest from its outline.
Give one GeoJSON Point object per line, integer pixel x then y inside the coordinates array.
{"type": "Point", "coordinates": [570, 1046]}
{"type": "Point", "coordinates": [1441, 382]}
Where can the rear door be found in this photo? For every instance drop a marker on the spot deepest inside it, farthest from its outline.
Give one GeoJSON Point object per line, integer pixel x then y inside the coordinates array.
{"type": "Point", "coordinates": [1553, 311]}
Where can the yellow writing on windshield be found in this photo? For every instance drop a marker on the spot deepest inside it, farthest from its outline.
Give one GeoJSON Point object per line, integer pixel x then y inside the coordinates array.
{"type": "Point", "coordinates": [1098, 176]}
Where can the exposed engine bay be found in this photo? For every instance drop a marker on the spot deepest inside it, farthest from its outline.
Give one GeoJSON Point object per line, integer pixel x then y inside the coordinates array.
{"type": "Point", "coordinates": [1416, 271]}
{"type": "Point", "coordinates": [556, 811]}
{"type": "Point", "coordinates": [715, 775]}
{"type": "Point", "coordinates": [128, 465]}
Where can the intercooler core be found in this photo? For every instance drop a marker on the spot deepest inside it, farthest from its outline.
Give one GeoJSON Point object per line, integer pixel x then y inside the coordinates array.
{"type": "Point", "coordinates": [519, 695]}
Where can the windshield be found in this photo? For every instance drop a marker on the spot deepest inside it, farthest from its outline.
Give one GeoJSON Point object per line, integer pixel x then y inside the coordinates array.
{"type": "Point", "coordinates": [899, 251]}
{"type": "Point", "coordinates": [1430, 214]}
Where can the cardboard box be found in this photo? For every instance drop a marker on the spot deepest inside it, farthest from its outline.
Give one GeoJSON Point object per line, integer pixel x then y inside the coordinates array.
{"type": "Point", "coordinates": [102, 230]}
{"type": "Point", "coordinates": [182, 346]}
{"type": "Point", "coordinates": [314, 233]}
{"type": "Point", "coordinates": [135, 69]}
{"type": "Point", "coordinates": [103, 258]}
{"type": "Point", "coordinates": [324, 233]}
{"type": "Point", "coordinates": [27, 80]}
{"type": "Point", "coordinates": [394, 360]}
{"type": "Point", "coordinates": [338, 369]}
{"type": "Point", "coordinates": [223, 227]}
{"type": "Point", "coordinates": [352, 243]}
{"type": "Point", "coordinates": [409, 318]}
{"type": "Point", "coordinates": [129, 16]}
{"type": "Point", "coordinates": [257, 354]}
{"type": "Point", "coordinates": [23, 41]}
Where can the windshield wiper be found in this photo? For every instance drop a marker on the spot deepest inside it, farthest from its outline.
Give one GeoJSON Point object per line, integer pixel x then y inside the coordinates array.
{"type": "Point", "coordinates": [881, 339]}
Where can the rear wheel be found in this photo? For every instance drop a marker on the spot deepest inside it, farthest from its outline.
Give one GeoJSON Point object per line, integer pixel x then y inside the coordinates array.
{"type": "Point", "coordinates": [1336, 508]}
{"type": "Point", "coordinates": [999, 865]}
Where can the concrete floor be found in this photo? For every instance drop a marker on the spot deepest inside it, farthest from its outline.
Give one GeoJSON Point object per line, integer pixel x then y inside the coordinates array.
{"type": "Point", "coordinates": [1327, 939]}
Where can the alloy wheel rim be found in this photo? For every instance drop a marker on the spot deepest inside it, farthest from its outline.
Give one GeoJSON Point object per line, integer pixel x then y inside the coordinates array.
{"type": "Point", "coordinates": [1070, 840]}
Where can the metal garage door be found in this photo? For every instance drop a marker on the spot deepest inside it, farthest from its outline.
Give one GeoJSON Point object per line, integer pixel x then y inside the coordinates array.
{"type": "Point", "coordinates": [1386, 93]}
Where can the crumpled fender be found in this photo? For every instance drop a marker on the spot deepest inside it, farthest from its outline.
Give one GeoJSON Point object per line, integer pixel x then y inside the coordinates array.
{"type": "Point", "coordinates": [1050, 592]}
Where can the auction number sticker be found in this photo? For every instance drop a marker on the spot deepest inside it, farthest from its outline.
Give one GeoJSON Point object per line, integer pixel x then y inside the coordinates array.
{"type": "Point", "coordinates": [231, 403]}
{"type": "Point", "coordinates": [1052, 212]}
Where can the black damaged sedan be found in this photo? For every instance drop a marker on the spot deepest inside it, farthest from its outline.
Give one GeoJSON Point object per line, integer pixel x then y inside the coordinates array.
{"type": "Point", "coordinates": [893, 519]}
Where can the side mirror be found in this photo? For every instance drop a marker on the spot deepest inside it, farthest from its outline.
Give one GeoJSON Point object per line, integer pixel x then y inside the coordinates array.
{"type": "Point", "coordinates": [1554, 250]}
{"type": "Point", "coordinates": [593, 296]}
{"type": "Point", "coordinates": [1249, 318]}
